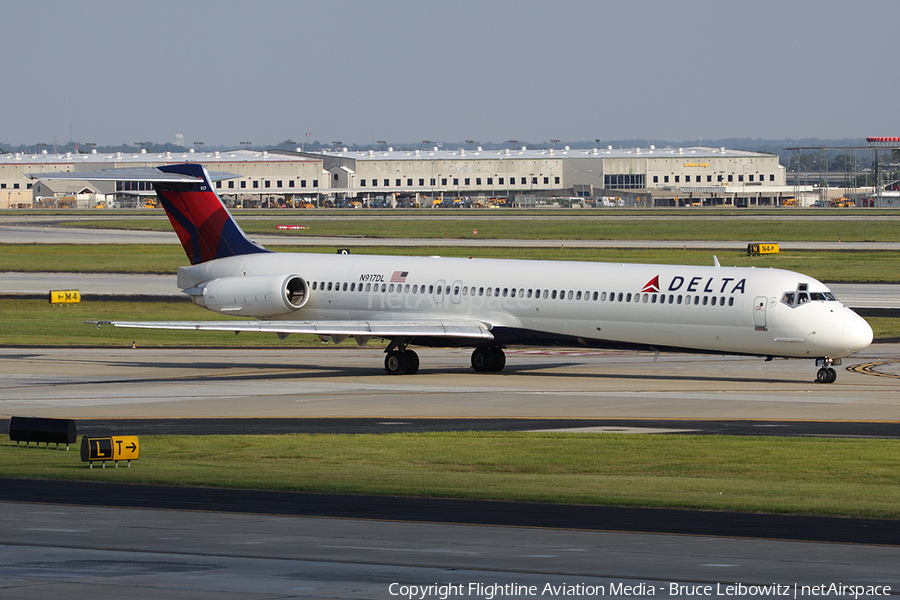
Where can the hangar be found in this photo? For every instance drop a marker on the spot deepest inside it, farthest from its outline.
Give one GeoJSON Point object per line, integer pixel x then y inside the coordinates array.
{"type": "Point", "coordinates": [265, 178]}
{"type": "Point", "coordinates": [428, 176]}
{"type": "Point", "coordinates": [645, 176]}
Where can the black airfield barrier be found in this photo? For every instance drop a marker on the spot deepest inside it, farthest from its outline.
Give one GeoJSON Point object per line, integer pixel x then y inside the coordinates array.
{"type": "Point", "coordinates": [42, 429]}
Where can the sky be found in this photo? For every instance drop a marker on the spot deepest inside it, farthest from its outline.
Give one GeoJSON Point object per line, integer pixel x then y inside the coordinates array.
{"type": "Point", "coordinates": [403, 71]}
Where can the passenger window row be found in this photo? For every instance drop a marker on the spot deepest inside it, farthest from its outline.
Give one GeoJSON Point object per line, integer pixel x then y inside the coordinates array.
{"type": "Point", "coordinates": [545, 294]}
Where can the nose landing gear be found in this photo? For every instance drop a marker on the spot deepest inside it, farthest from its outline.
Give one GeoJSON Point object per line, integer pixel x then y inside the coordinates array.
{"type": "Point", "coordinates": [826, 373]}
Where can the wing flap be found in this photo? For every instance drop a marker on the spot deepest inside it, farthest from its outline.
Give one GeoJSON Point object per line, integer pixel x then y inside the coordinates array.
{"type": "Point", "coordinates": [382, 329]}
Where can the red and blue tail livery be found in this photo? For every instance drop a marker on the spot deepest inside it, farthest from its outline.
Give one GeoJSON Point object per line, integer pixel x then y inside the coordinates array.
{"type": "Point", "coordinates": [203, 224]}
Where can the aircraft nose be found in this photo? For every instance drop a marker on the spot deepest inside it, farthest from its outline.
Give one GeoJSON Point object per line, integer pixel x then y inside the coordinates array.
{"type": "Point", "coordinates": [856, 335]}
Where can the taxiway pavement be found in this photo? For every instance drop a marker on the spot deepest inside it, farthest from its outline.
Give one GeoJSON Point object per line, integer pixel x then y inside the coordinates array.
{"type": "Point", "coordinates": [49, 550]}
{"type": "Point", "coordinates": [350, 382]}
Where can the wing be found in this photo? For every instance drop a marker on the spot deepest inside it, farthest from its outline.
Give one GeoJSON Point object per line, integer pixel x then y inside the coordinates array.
{"type": "Point", "coordinates": [338, 329]}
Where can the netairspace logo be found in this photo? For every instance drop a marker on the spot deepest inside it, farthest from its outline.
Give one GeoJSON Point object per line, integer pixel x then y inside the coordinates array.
{"type": "Point", "coordinates": [492, 591]}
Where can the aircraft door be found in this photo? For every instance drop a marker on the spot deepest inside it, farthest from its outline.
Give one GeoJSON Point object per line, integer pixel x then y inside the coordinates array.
{"type": "Point", "coordinates": [456, 291]}
{"type": "Point", "coordinates": [759, 312]}
{"type": "Point", "coordinates": [439, 291]}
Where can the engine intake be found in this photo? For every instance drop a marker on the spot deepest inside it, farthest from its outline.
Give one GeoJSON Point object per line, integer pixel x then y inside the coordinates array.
{"type": "Point", "coordinates": [253, 296]}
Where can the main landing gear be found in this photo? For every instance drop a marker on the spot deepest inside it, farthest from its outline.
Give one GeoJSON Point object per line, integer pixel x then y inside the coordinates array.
{"type": "Point", "coordinates": [488, 359]}
{"type": "Point", "coordinates": [401, 362]}
{"type": "Point", "coordinates": [826, 373]}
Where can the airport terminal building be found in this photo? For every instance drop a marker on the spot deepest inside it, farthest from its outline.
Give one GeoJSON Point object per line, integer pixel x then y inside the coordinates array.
{"type": "Point", "coordinates": [425, 177]}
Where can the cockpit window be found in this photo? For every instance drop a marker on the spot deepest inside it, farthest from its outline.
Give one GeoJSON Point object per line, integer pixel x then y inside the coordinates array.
{"type": "Point", "coordinates": [821, 296]}
{"type": "Point", "coordinates": [801, 296]}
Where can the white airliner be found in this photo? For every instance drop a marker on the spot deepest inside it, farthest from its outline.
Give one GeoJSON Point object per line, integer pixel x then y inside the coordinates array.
{"type": "Point", "coordinates": [486, 303]}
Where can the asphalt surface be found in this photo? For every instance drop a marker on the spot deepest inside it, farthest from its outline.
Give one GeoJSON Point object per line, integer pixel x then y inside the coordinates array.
{"type": "Point", "coordinates": [326, 425]}
{"type": "Point", "coordinates": [467, 512]}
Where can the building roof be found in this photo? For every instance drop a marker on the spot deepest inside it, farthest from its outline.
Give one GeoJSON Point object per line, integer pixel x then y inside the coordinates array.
{"type": "Point", "coordinates": [238, 156]}
{"type": "Point", "coordinates": [523, 152]}
{"type": "Point", "coordinates": [140, 158]}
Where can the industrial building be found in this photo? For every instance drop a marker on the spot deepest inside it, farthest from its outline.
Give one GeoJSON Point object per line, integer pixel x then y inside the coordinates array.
{"type": "Point", "coordinates": [649, 177]}
{"type": "Point", "coordinates": [264, 178]}
{"type": "Point", "coordinates": [429, 177]}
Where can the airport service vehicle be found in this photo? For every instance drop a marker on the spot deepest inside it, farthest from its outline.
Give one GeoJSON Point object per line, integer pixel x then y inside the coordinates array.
{"type": "Point", "coordinates": [487, 304]}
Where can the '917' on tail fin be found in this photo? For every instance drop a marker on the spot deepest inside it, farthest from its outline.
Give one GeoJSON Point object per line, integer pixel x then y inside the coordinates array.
{"type": "Point", "coordinates": [203, 224]}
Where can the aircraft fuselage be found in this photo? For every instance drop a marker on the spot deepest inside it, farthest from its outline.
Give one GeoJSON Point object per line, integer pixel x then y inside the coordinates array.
{"type": "Point", "coordinates": [707, 309]}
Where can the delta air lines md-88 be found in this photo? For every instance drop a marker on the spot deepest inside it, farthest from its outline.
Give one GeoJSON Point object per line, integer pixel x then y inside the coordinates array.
{"type": "Point", "coordinates": [487, 304]}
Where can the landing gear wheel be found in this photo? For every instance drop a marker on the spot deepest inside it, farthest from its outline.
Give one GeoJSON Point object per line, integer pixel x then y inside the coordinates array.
{"type": "Point", "coordinates": [826, 375]}
{"type": "Point", "coordinates": [397, 363]}
{"type": "Point", "coordinates": [482, 360]}
{"type": "Point", "coordinates": [413, 359]}
{"type": "Point", "coordinates": [488, 359]}
{"type": "Point", "coordinates": [499, 358]}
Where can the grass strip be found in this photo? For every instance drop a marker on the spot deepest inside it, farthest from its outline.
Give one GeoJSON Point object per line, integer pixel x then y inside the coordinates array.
{"type": "Point", "coordinates": [29, 322]}
{"type": "Point", "coordinates": [577, 227]}
{"type": "Point", "coordinates": [842, 477]}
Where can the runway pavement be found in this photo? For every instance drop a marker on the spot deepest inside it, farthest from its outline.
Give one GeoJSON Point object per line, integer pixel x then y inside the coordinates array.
{"type": "Point", "coordinates": [381, 425]}
{"type": "Point", "coordinates": [85, 383]}
{"type": "Point", "coordinates": [62, 550]}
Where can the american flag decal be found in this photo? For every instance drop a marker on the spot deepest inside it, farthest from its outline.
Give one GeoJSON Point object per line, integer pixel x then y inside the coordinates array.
{"type": "Point", "coordinates": [399, 276]}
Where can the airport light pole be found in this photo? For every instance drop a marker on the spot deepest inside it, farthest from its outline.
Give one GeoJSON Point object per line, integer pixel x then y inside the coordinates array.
{"type": "Point", "coordinates": [431, 181]}
{"type": "Point", "coordinates": [290, 143]}
{"type": "Point", "coordinates": [513, 142]}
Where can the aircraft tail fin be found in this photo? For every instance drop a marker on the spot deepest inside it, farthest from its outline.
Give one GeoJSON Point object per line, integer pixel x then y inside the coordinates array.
{"type": "Point", "coordinates": [205, 227]}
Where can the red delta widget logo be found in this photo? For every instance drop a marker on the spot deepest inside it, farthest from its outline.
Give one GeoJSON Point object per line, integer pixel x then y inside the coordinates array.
{"type": "Point", "coordinates": [709, 285]}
